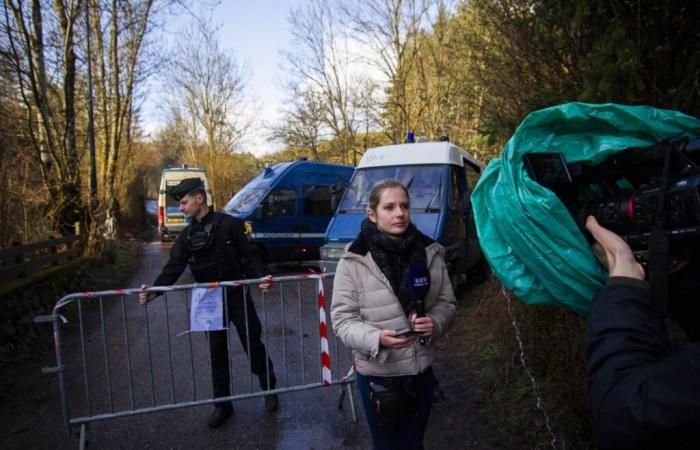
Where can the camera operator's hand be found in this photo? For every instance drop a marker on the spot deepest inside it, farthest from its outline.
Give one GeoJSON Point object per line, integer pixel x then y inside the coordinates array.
{"type": "Point", "coordinates": [621, 262]}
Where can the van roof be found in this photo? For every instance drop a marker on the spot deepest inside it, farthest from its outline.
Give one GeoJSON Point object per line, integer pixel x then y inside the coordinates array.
{"type": "Point", "coordinates": [183, 169]}
{"type": "Point", "coordinates": [417, 154]}
{"type": "Point", "coordinates": [278, 169]}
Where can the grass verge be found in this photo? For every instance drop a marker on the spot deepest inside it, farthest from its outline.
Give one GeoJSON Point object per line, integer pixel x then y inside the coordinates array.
{"type": "Point", "coordinates": [553, 344]}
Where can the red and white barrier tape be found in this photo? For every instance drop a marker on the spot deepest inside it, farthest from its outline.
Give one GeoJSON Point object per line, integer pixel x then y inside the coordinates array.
{"type": "Point", "coordinates": [325, 353]}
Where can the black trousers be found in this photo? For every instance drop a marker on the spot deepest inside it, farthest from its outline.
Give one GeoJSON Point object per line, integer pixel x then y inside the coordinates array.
{"type": "Point", "coordinates": [261, 365]}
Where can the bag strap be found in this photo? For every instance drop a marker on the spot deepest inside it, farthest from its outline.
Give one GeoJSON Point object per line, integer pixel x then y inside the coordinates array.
{"type": "Point", "coordinates": [211, 226]}
{"type": "Point", "coordinates": [659, 242]}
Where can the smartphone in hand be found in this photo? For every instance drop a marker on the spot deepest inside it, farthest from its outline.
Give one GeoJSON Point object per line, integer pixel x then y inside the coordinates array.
{"type": "Point", "coordinates": [407, 333]}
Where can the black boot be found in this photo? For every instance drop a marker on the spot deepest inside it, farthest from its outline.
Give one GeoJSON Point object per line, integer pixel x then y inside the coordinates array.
{"type": "Point", "coordinates": [220, 414]}
{"type": "Point", "coordinates": [271, 400]}
{"type": "Point", "coordinates": [271, 403]}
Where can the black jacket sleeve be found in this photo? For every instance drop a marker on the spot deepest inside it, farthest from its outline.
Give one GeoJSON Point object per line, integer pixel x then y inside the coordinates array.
{"type": "Point", "coordinates": [642, 393]}
{"type": "Point", "coordinates": [177, 262]}
{"type": "Point", "coordinates": [251, 257]}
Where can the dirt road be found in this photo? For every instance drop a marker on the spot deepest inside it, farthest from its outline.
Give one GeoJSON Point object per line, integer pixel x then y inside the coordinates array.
{"type": "Point", "coordinates": [32, 418]}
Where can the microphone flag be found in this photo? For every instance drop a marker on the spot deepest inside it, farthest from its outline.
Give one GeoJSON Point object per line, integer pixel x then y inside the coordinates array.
{"type": "Point", "coordinates": [418, 280]}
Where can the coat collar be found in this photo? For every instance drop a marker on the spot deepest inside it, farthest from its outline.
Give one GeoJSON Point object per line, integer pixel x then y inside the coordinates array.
{"type": "Point", "coordinates": [360, 247]}
{"type": "Point", "coordinates": [358, 250]}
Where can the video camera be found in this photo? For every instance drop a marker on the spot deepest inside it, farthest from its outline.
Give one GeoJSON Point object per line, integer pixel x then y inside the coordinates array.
{"type": "Point", "coordinates": [623, 191]}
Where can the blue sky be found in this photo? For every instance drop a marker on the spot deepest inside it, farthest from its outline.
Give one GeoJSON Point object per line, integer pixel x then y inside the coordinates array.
{"type": "Point", "coordinates": [254, 32]}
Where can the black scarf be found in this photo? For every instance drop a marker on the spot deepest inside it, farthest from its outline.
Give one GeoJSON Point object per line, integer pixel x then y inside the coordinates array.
{"type": "Point", "coordinates": [395, 256]}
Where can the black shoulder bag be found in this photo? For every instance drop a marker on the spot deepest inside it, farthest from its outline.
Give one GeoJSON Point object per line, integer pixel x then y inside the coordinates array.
{"type": "Point", "coordinates": [394, 399]}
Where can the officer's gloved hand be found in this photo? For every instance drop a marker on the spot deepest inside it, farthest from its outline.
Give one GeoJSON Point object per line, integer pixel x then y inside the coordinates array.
{"type": "Point", "coordinates": [266, 286]}
{"type": "Point", "coordinates": [145, 297]}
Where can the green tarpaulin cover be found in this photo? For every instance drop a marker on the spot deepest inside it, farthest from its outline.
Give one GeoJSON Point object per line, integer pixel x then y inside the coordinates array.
{"type": "Point", "coordinates": [527, 235]}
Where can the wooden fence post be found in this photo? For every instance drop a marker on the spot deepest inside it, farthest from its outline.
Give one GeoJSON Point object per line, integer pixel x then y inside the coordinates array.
{"type": "Point", "coordinates": [19, 258]}
{"type": "Point", "coordinates": [53, 249]}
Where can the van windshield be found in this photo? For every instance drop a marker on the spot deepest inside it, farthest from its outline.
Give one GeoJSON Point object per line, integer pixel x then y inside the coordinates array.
{"type": "Point", "coordinates": [425, 186]}
{"type": "Point", "coordinates": [245, 200]}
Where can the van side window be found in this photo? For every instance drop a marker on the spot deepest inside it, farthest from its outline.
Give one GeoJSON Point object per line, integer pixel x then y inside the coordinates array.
{"type": "Point", "coordinates": [172, 206]}
{"type": "Point", "coordinates": [319, 200]}
{"type": "Point", "coordinates": [454, 185]}
{"type": "Point", "coordinates": [472, 176]}
{"type": "Point", "coordinates": [281, 202]}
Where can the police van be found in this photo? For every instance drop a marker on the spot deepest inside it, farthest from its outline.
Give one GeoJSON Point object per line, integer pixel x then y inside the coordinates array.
{"type": "Point", "coordinates": [287, 207]}
{"type": "Point", "coordinates": [439, 177]}
{"type": "Point", "coordinates": [170, 220]}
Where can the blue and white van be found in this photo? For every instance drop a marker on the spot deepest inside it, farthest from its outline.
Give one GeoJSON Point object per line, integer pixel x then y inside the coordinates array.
{"type": "Point", "coordinates": [439, 177]}
{"type": "Point", "coordinates": [287, 207]}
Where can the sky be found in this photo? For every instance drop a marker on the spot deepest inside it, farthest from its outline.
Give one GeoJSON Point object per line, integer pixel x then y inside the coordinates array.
{"type": "Point", "coordinates": [255, 32]}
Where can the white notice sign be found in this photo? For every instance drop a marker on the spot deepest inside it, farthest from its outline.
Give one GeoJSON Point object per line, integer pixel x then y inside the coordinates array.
{"type": "Point", "coordinates": [207, 313]}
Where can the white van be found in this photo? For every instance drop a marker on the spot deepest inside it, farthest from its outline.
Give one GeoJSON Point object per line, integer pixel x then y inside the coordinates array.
{"type": "Point", "coordinates": [439, 177]}
{"type": "Point", "coordinates": [170, 220]}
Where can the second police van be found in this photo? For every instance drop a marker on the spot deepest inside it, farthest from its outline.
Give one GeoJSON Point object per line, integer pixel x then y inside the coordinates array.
{"type": "Point", "coordinates": [439, 177]}
{"type": "Point", "coordinates": [287, 207]}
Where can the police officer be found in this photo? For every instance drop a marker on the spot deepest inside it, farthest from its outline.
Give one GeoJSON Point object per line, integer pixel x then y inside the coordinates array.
{"type": "Point", "coordinates": [216, 249]}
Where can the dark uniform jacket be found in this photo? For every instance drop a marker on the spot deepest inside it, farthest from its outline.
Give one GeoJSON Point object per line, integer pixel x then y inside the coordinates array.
{"type": "Point", "coordinates": [643, 393]}
{"type": "Point", "coordinates": [231, 256]}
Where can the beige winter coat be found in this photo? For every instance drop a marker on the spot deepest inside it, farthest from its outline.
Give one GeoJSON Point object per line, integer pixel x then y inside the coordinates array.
{"type": "Point", "coordinates": [364, 303]}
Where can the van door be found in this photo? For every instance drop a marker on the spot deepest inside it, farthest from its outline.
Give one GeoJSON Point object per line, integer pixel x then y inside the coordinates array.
{"type": "Point", "coordinates": [172, 213]}
{"type": "Point", "coordinates": [320, 197]}
{"type": "Point", "coordinates": [455, 234]}
{"type": "Point", "coordinates": [276, 218]}
{"type": "Point", "coordinates": [471, 174]}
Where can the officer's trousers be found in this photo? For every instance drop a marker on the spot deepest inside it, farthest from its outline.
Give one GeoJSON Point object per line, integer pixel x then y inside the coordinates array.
{"type": "Point", "coordinates": [261, 365]}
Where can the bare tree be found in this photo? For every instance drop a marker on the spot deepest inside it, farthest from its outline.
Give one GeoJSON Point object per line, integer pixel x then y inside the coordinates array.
{"type": "Point", "coordinates": [368, 115]}
{"type": "Point", "coordinates": [119, 43]}
{"type": "Point", "coordinates": [209, 96]}
{"type": "Point", "coordinates": [321, 62]}
{"type": "Point", "coordinates": [55, 142]}
{"type": "Point", "coordinates": [388, 29]}
{"type": "Point", "coordinates": [303, 121]}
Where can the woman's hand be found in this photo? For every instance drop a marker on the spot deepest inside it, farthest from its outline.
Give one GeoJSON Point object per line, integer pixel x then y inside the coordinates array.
{"type": "Point", "coordinates": [387, 339]}
{"type": "Point", "coordinates": [620, 259]}
{"type": "Point", "coordinates": [424, 325]}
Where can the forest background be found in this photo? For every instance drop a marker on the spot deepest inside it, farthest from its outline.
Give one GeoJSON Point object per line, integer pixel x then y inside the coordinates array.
{"type": "Point", "coordinates": [74, 73]}
{"type": "Point", "coordinates": [357, 73]}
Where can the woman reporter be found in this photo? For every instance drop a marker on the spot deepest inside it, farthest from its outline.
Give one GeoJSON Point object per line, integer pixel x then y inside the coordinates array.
{"type": "Point", "coordinates": [393, 280]}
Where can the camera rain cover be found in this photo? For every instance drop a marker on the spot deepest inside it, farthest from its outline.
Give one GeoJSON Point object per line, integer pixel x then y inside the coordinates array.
{"type": "Point", "coordinates": [527, 234]}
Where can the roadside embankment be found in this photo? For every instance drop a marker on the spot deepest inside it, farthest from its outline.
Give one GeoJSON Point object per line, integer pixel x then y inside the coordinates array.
{"type": "Point", "coordinates": [23, 299]}
{"type": "Point", "coordinates": [553, 344]}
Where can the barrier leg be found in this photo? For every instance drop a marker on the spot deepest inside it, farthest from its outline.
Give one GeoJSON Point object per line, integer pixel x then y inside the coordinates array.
{"type": "Point", "coordinates": [341, 398]}
{"type": "Point", "coordinates": [55, 319]}
{"type": "Point", "coordinates": [351, 399]}
{"type": "Point", "coordinates": [83, 436]}
{"type": "Point", "coordinates": [347, 389]}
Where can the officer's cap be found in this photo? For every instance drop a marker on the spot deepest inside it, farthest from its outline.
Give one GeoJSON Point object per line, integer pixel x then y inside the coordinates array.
{"type": "Point", "coordinates": [185, 187]}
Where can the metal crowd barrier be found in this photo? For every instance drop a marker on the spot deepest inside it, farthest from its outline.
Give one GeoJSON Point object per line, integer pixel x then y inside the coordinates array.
{"type": "Point", "coordinates": [130, 359]}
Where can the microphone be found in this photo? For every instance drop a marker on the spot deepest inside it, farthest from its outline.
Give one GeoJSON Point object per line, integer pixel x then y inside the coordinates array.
{"type": "Point", "coordinates": [418, 286]}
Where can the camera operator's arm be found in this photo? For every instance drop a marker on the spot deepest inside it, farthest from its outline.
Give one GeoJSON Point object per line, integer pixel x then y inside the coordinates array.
{"type": "Point", "coordinates": [642, 394]}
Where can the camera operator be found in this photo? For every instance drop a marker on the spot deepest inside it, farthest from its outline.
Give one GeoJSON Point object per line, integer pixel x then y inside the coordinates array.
{"type": "Point", "coordinates": [643, 392]}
